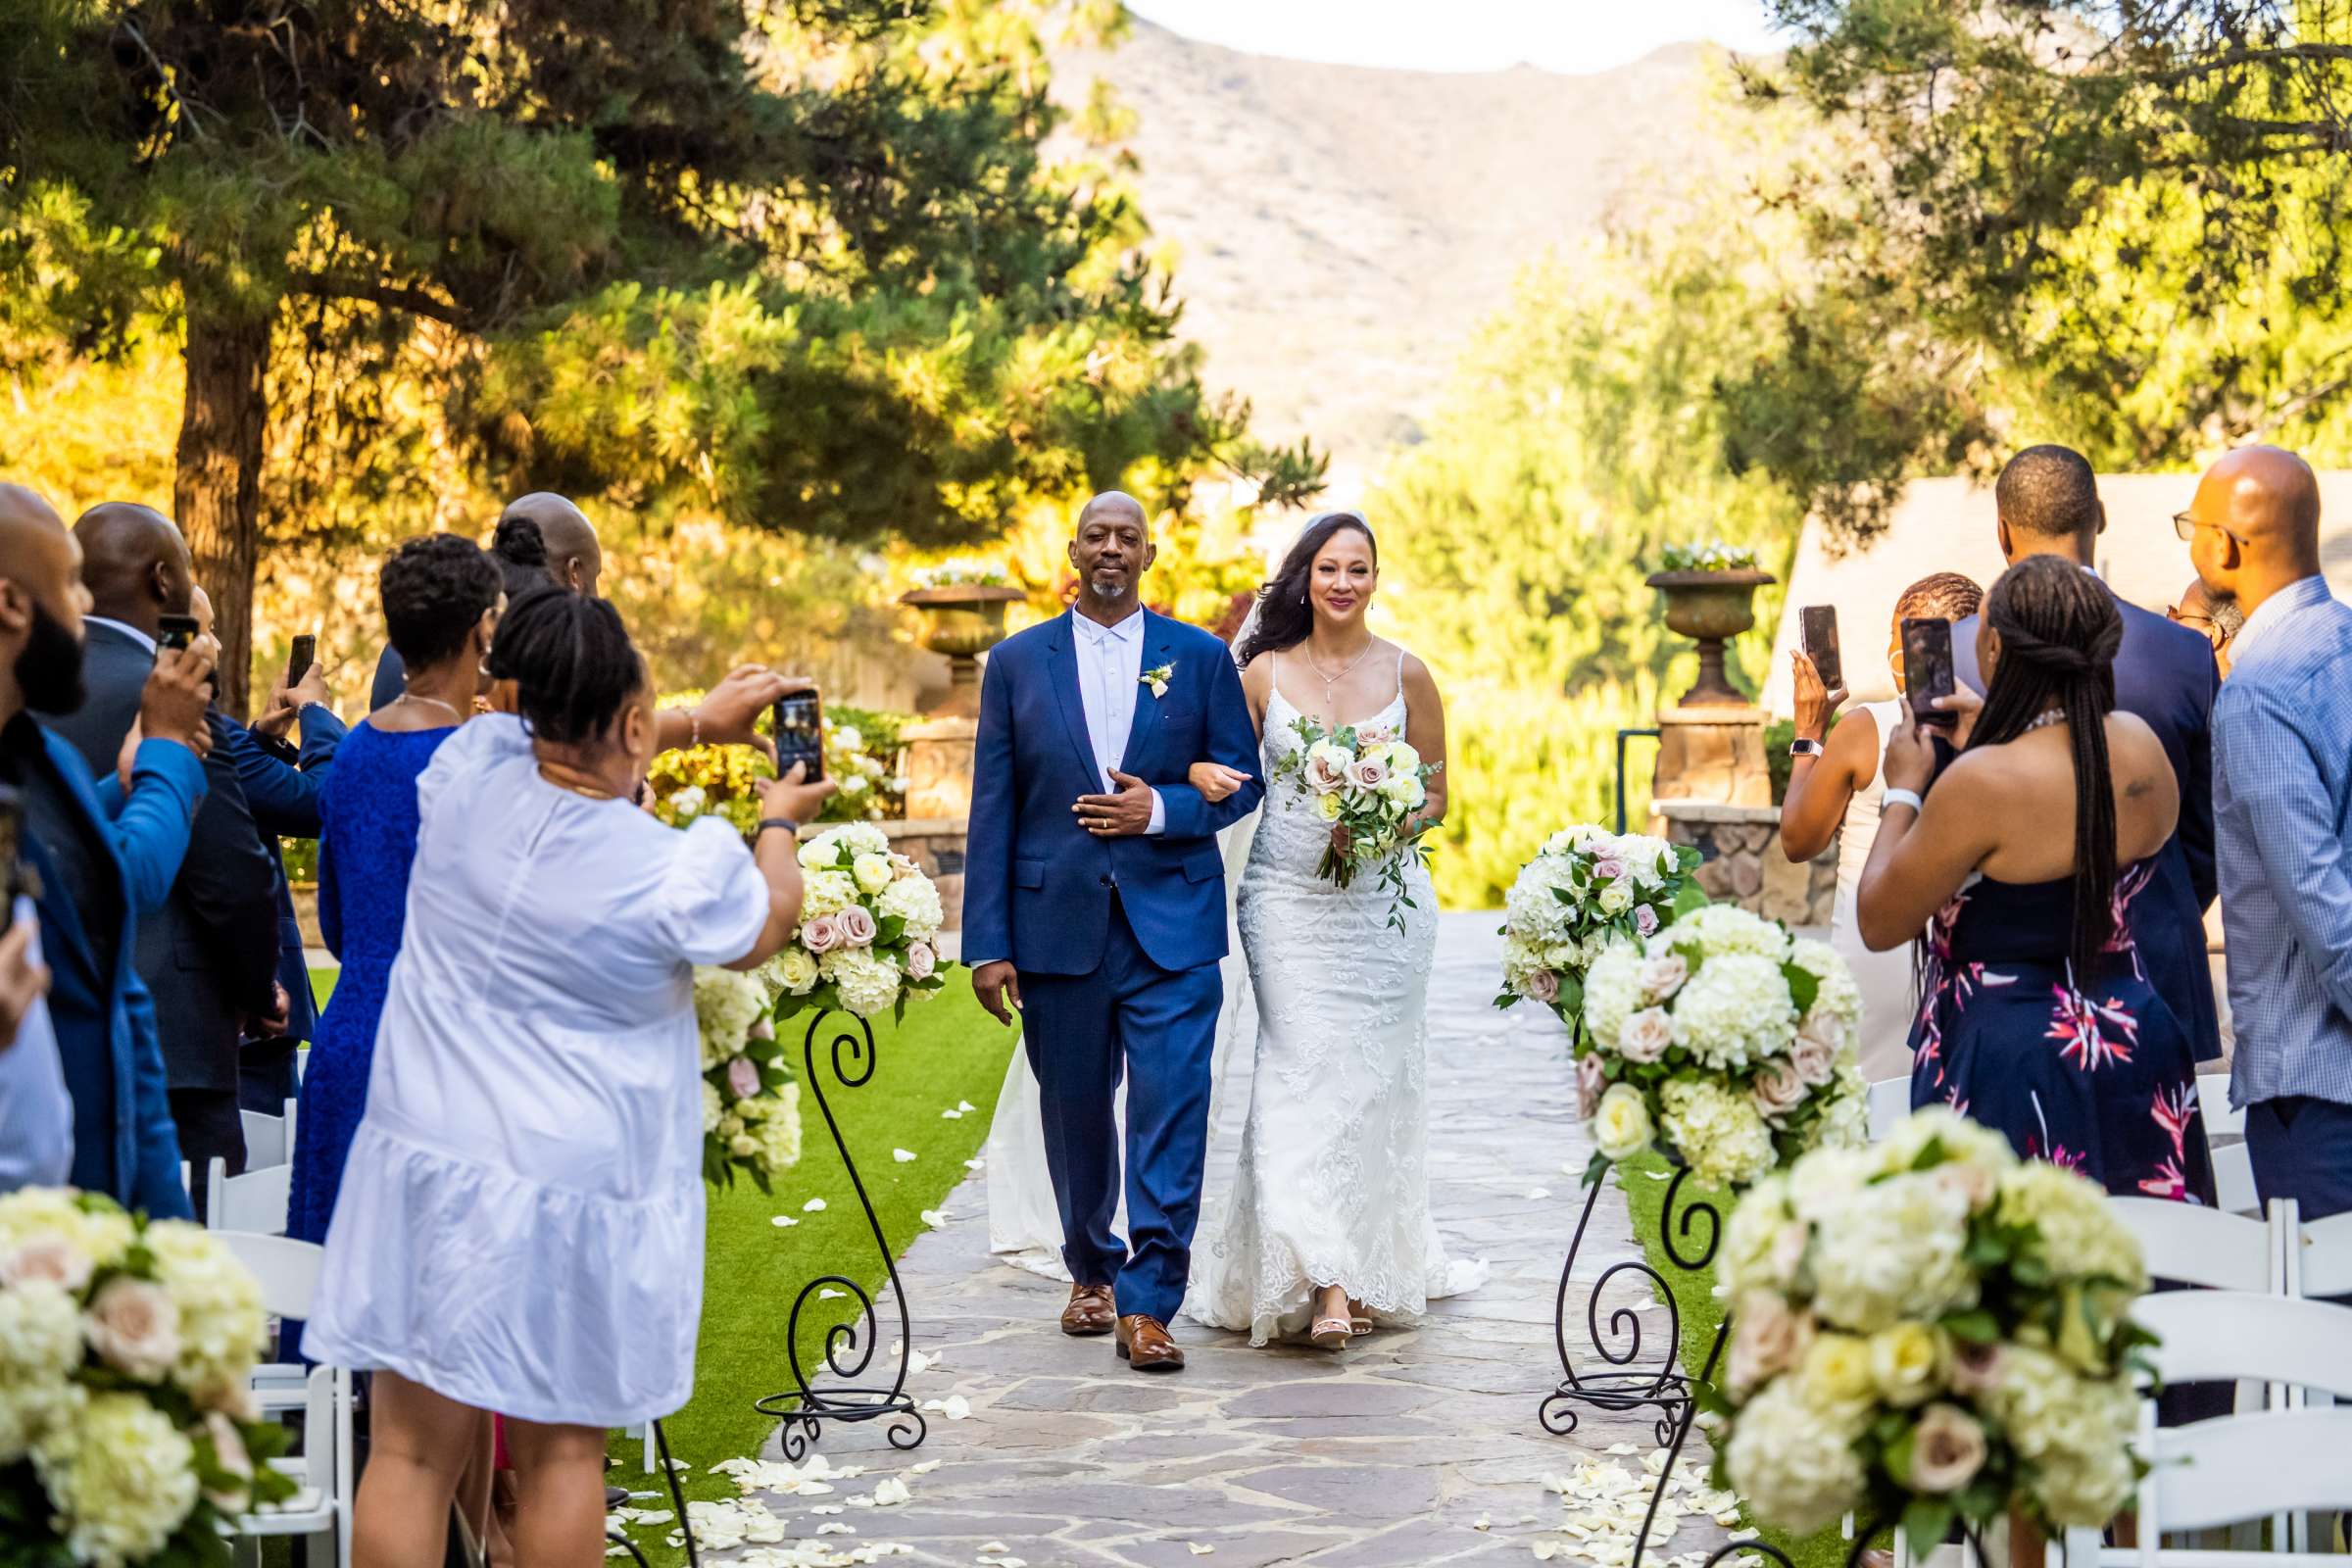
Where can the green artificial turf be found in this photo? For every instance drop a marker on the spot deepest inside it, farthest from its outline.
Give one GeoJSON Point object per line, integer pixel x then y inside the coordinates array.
{"type": "Point", "coordinates": [1644, 1181]}
{"type": "Point", "coordinates": [947, 1053]}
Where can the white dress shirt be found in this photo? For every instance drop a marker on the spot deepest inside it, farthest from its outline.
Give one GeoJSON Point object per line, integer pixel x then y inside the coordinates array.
{"type": "Point", "coordinates": [36, 1114]}
{"type": "Point", "coordinates": [1111, 673]}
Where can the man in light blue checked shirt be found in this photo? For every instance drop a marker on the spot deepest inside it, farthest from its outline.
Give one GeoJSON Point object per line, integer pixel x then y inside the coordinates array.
{"type": "Point", "coordinates": [2283, 810]}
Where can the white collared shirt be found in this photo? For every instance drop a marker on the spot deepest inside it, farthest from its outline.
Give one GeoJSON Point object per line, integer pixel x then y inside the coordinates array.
{"type": "Point", "coordinates": [131, 632]}
{"type": "Point", "coordinates": [1110, 671]}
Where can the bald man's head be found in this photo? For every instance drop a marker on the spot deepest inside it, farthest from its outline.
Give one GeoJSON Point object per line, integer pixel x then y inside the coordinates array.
{"type": "Point", "coordinates": [2254, 525]}
{"type": "Point", "coordinates": [575, 557]}
{"type": "Point", "coordinates": [41, 603]}
{"type": "Point", "coordinates": [135, 562]}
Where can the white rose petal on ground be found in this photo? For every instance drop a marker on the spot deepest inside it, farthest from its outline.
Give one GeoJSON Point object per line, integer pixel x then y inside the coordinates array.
{"type": "Point", "coordinates": [934, 1218]}
{"type": "Point", "coordinates": [1535, 1194]}
{"type": "Point", "coordinates": [783, 1221]}
{"type": "Point", "coordinates": [951, 1115]}
{"type": "Point", "coordinates": [890, 1492]}
{"type": "Point", "coordinates": [905, 1157]}
{"type": "Point", "coordinates": [928, 1465]}
{"type": "Point", "coordinates": [975, 1164]}
{"type": "Point", "coordinates": [965, 1105]}
{"type": "Point", "coordinates": [815, 1205]}
{"type": "Point", "coordinates": [1200, 1549]}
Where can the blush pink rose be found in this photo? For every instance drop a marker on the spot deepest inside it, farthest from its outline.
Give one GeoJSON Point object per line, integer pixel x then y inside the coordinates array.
{"type": "Point", "coordinates": [1947, 1449]}
{"type": "Point", "coordinates": [1777, 1089]}
{"type": "Point", "coordinates": [1608, 868]}
{"type": "Point", "coordinates": [920, 961]}
{"type": "Point", "coordinates": [1767, 1339]}
{"type": "Point", "coordinates": [1662, 976]}
{"type": "Point", "coordinates": [857, 924]}
{"type": "Point", "coordinates": [1815, 1061]}
{"type": "Point", "coordinates": [1367, 772]}
{"type": "Point", "coordinates": [1645, 1036]}
{"type": "Point", "coordinates": [821, 935]}
{"type": "Point", "coordinates": [1646, 919]}
{"type": "Point", "coordinates": [743, 1076]}
{"type": "Point", "coordinates": [134, 1327]}
{"type": "Point", "coordinates": [230, 1453]}
{"type": "Point", "coordinates": [762, 1027]}
{"type": "Point", "coordinates": [1542, 986]}
{"type": "Point", "coordinates": [1591, 1080]}
{"type": "Point", "coordinates": [47, 1259]}
{"type": "Point", "coordinates": [1976, 1368]}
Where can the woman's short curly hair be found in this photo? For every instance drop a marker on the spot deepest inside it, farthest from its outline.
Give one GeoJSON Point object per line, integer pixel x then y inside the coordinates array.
{"type": "Point", "coordinates": [434, 590]}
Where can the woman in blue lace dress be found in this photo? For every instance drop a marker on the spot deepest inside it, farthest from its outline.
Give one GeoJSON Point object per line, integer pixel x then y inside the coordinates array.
{"type": "Point", "coordinates": [441, 596]}
{"type": "Point", "coordinates": [2021, 867]}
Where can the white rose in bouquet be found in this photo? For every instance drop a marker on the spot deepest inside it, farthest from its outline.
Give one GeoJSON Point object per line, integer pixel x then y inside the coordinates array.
{"type": "Point", "coordinates": [872, 871]}
{"type": "Point", "coordinates": [1621, 1125]}
{"type": "Point", "coordinates": [221, 1326]}
{"type": "Point", "coordinates": [795, 968]}
{"type": "Point", "coordinates": [1325, 767]}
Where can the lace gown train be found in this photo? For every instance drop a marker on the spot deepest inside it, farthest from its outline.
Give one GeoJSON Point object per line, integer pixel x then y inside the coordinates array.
{"type": "Point", "coordinates": [1333, 1183]}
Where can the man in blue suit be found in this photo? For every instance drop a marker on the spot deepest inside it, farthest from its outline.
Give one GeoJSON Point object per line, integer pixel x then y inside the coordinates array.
{"type": "Point", "coordinates": [1095, 903]}
{"type": "Point", "coordinates": [101, 856]}
{"type": "Point", "coordinates": [2048, 503]}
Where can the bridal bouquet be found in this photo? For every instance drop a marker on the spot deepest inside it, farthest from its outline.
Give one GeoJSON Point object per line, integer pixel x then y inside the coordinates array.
{"type": "Point", "coordinates": [750, 1105]}
{"type": "Point", "coordinates": [1928, 1328]}
{"type": "Point", "coordinates": [1724, 1042]}
{"type": "Point", "coordinates": [1366, 783]}
{"type": "Point", "coordinates": [869, 921]}
{"type": "Point", "coordinates": [1586, 888]}
{"type": "Point", "coordinates": [127, 1428]}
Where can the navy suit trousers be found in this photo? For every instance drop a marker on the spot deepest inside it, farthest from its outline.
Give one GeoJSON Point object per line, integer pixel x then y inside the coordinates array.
{"type": "Point", "coordinates": [1157, 1027]}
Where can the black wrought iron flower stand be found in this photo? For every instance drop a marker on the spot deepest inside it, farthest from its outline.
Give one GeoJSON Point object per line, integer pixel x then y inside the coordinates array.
{"type": "Point", "coordinates": [1689, 1235]}
{"type": "Point", "coordinates": [849, 1344]}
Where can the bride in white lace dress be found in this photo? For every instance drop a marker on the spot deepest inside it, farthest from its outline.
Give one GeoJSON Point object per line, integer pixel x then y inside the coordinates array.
{"type": "Point", "coordinates": [1325, 1230]}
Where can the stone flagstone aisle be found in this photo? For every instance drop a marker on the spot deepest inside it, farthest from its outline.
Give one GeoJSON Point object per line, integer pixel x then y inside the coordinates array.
{"type": "Point", "coordinates": [1410, 1448]}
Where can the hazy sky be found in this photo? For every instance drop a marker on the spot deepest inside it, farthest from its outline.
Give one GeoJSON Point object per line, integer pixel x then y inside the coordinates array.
{"type": "Point", "coordinates": [1462, 35]}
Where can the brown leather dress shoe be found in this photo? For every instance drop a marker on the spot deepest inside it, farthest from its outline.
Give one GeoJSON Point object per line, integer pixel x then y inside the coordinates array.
{"type": "Point", "coordinates": [1143, 1345]}
{"type": "Point", "coordinates": [1090, 1311]}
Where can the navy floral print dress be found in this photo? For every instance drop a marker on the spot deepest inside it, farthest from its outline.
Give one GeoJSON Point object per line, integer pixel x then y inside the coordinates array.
{"type": "Point", "coordinates": [2099, 1077]}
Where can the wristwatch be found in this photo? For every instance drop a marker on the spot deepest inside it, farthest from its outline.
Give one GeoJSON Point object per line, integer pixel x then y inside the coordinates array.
{"type": "Point", "coordinates": [784, 822]}
{"type": "Point", "coordinates": [1801, 747]}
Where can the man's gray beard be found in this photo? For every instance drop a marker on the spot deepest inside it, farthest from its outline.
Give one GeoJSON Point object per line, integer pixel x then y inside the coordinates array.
{"type": "Point", "coordinates": [2228, 614]}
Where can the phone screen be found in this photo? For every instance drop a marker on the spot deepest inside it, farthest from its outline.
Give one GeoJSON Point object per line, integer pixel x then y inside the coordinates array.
{"type": "Point", "coordinates": [1928, 669]}
{"type": "Point", "coordinates": [1818, 625]}
{"type": "Point", "coordinates": [174, 631]}
{"type": "Point", "coordinates": [298, 662]}
{"type": "Point", "coordinates": [801, 735]}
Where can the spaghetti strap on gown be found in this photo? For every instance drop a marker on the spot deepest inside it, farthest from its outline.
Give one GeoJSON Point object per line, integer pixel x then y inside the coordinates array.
{"type": "Point", "coordinates": [1332, 1185]}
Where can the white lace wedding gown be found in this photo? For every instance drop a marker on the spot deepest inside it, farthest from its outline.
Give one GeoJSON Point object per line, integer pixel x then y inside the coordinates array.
{"type": "Point", "coordinates": [1332, 1185]}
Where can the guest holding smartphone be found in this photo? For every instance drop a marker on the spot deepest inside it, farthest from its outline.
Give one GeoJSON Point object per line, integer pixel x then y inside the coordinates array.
{"type": "Point", "coordinates": [2039, 1019]}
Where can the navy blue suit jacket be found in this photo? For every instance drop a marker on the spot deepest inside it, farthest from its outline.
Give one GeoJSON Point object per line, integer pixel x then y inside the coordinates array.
{"type": "Point", "coordinates": [2166, 676]}
{"type": "Point", "coordinates": [1038, 887]}
{"type": "Point", "coordinates": [284, 787]}
{"type": "Point", "coordinates": [123, 1141]}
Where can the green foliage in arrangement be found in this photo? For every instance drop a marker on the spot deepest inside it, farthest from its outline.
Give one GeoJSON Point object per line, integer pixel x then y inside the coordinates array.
{"type": "Point", "coordinates": [862, 754]}
{"type": "Point", "coordinates": [803, 267]}
{"type": "Point", "coordinates": [2120, 227]}
{"type": "Point", "coordinates": [1579, 441]}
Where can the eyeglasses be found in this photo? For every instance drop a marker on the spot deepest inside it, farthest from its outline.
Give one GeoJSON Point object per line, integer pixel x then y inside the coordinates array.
{"type": "Point", "coordinates": [2187, 524]}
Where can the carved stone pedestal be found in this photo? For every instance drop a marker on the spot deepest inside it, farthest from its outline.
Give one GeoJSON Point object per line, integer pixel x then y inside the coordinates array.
{"type": "Point", "coordinates": [1713, 753]}
{"type": "Point", "coordinates": [939, 767]}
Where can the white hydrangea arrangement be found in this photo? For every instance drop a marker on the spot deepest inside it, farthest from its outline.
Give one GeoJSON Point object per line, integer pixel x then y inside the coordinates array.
{"type": "Point", "coordinates": [1928, 1329]}
{"type": "Point", "coordinates": [1724, 1042]}
{"type": "Point", "coordinates": [1586, 888]}
{"type": "Point", "coordinates": [128, 1427]}
{"type": "Point", "coordinates": [751, 1101]}
{"type": "Point", "coordinates": [870, 928]}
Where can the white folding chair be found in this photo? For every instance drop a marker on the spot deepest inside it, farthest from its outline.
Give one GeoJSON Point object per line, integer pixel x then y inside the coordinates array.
{"type": "Point", "coordinates": [265, 1141]}
{"type": "Point", "coordinates": [2266, 1463]}
{"type": "Point", "coordinates": [2233, 1180]}
{"type": "Point", "coordinates": [2213, 1108]}
{"type": "Point", "coordinates": [2318, 1257]}
{"type": "Point", "coordinates": [1889, 1104]}
{"type": "Point", "coordinates": [321, 1508]}
{"type": "Point", "coordinates": [254, 1203]}
{"type": "Point", "coordinates": [2200, 1246]}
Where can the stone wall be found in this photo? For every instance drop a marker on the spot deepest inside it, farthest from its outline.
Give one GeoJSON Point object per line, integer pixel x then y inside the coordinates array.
{"type": "Point", "coordinates": [936, 844]}
{"type": "Point", "coordinates": [1744, 862]}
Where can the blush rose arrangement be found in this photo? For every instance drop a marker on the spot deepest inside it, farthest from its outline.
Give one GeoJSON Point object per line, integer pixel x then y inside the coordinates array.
{"type": "Point", "coordinates": [1586, 888]}
{"type": "Point", "coordinates": [751, 1101]}
{"type": "Point", "coordinates": [1926, 1330]}
{"type": "Point", "coordinates": [870, 928]}
{"type": "Point", "coordinates": [1367, 783]}
{"type": "Point", "coordinates": [1723, 1043]}
{"type": "Point", "coordinates": [128, 1427]}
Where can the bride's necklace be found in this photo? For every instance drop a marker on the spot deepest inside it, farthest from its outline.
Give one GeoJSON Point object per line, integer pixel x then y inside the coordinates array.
{"type": "Point", "coordinates": [1329, 681]}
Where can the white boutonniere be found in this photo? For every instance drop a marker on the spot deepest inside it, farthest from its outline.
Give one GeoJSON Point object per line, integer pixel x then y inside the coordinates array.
{"type": "Point", "coordinates": [1158, 679]}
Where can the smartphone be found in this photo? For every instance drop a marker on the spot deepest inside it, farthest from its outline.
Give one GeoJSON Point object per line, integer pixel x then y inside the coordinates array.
{"type": "Point", "coordinates": [1817, 626]}
{"type": "Point", "coordinates": [22, 882]}
{"type": "Point", "coordinates": [1928, 669]}
{"type": "Point", "coordinates": [801, 735]}
{"type": "Point", "coordinates": [298, 662]}
{"type": "Point", "coordinates": [174, 631]}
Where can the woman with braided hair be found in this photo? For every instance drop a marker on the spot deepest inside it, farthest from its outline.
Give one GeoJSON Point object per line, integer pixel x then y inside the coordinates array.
{"type": "Point", "coordinates": [2022, 864]}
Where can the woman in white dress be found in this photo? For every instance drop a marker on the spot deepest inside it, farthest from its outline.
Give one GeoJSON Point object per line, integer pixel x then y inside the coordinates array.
{"type": "Point", "coordinates": [1326, 1227]}
{"type": "Point", "coordinates": [1836, 790]}
{"type": "Point", "coordinates": [519, 1227]}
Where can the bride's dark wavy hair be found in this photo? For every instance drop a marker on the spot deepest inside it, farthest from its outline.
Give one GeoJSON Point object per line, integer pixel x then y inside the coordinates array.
{"type": "Point", "coordinates": [1284, 617]}
{"type": "Point", "coordinates": [2059, 631]}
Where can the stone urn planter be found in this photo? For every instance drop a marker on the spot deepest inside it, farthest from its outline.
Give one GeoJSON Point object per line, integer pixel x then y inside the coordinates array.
{"type": "Point", "coordinates": [1711, 608]}
{"type": "Point", "coordinates": [962, 621]}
